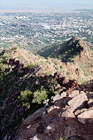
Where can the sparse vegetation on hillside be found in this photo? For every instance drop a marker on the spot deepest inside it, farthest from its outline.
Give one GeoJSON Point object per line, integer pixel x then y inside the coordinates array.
{"type": "Point", "coordinates": [66, 51]}
{"type": "Point", "coordinates": [27, 80]}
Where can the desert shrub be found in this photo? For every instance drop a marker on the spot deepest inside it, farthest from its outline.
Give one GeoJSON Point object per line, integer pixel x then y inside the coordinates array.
{"type": "Point", "coordinates": [82, 81]}
{"type": "Point", "coordinates": [30, 65]}
{"type": "Point", "coordinates": [48, 72]}
{"type": "Point", "coordinates": [39, 96]}
{"type": "Point", "coordinates": [68, 73]}
{"type": "Point", "coordinates": [42, 62]}
{"type": "Point", "coordinates": [36, 97]}
{"type": "Point", "coordinates": [20, 57]}
{"type": "Point", "coordinates": [2, 67]}
{"type": "Point", "coordinates": [25, 97]}
{"type": "Point", "coordinates": [53, 90]}
{"type": "Point", "coordinates": [2, 73]}
{"type": "Point", "coordinates": [28, 97]}
{"type": "Point", "coordinates": [53, 84]}
{"type": "Point", "coordinates": [1, 76]}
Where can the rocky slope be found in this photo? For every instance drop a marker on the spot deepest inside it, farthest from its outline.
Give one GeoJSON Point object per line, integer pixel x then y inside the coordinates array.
{"type": "Point", "coordinates": [68, 117]}
{"type": "Point", "coordinates": [66, 51]}
{"type": "Point", "coordinates": [81, 68]}
{"type": "Point", "coordinates": [28, 82]}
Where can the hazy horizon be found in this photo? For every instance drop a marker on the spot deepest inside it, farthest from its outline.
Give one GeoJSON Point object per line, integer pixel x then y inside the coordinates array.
{"type": "Point", "coordinates": [42, 4]}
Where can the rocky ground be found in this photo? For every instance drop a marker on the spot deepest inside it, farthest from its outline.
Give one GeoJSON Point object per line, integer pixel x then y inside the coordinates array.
{"type": "Point", "coordinates": [29, 82]}
{"type": "Point", "coordinates": [68, 117]}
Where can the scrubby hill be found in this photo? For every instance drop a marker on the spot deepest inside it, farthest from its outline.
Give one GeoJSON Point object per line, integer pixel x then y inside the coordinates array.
{"type": "Point", "coordinates": [66, 51]}
{"type": "Point", "coordinates": [28, 82]}
{"type": "Point", "coordinates": [75, 55]}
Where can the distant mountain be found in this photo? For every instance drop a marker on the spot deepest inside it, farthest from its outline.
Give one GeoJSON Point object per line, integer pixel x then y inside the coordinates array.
{"type": "Point", "coordinates": [66, 51]}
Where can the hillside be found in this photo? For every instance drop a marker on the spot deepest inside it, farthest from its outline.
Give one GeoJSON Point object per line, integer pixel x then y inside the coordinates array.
{"type": "Point", "coordinates": [66, 51]}
{"type": "Point", "coordinates": [28, 82]}
{"type": "Point", "coordinates": [75, 57]}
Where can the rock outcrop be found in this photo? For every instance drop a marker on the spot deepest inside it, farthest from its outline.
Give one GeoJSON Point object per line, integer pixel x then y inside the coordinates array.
{"type": "Point", "coordinates": [68, 118]}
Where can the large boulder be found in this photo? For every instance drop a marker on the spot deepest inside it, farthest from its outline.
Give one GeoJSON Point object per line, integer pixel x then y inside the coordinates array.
{"type": "Point", "coordinates": [78, 101]}
{"type": "Point", "coordinates": [67, 118]}
{"type": "Point", "coordinates": [86, 116]}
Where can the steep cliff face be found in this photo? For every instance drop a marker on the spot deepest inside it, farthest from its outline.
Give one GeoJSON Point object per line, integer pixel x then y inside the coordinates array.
{"type": "Point", "coordinates": [68, 117]}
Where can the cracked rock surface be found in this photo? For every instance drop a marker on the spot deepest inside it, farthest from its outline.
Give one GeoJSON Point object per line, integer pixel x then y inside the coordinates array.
{"type": "Point", "coordinates": [69, 117]}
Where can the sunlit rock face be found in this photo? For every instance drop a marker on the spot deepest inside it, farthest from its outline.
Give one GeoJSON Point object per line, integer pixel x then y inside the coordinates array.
{"type": "Point", "coordinates": [68, 117]}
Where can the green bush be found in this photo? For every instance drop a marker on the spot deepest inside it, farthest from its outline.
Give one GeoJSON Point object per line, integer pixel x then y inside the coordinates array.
{"type": "Point", "coordinates": [30, 65]}
{"type": "Point", "coordinates": [82, 81]}
{"type": "Point", "coordinates": [20, 57]}
{"type": "Point", "coordinates": [26, 98]}
{"type": "Point", "coordinates": [53, 84]}
{"type": "Point", "coordinates": [48, 72]}
{"type": "Point", "coordinates": [39, 96]}
{"type": "Point", "coordinates": [68, 73]}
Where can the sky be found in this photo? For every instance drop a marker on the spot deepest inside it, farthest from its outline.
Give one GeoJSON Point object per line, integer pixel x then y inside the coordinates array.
{"type": "Point", "coordinates": [28, 4]}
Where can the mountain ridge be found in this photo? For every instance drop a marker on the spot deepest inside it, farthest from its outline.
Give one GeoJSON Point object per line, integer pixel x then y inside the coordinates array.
{"type": "Point", "coordinates": [68, 49]}
{"type": "Point", "coordinates": [28, 82]}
